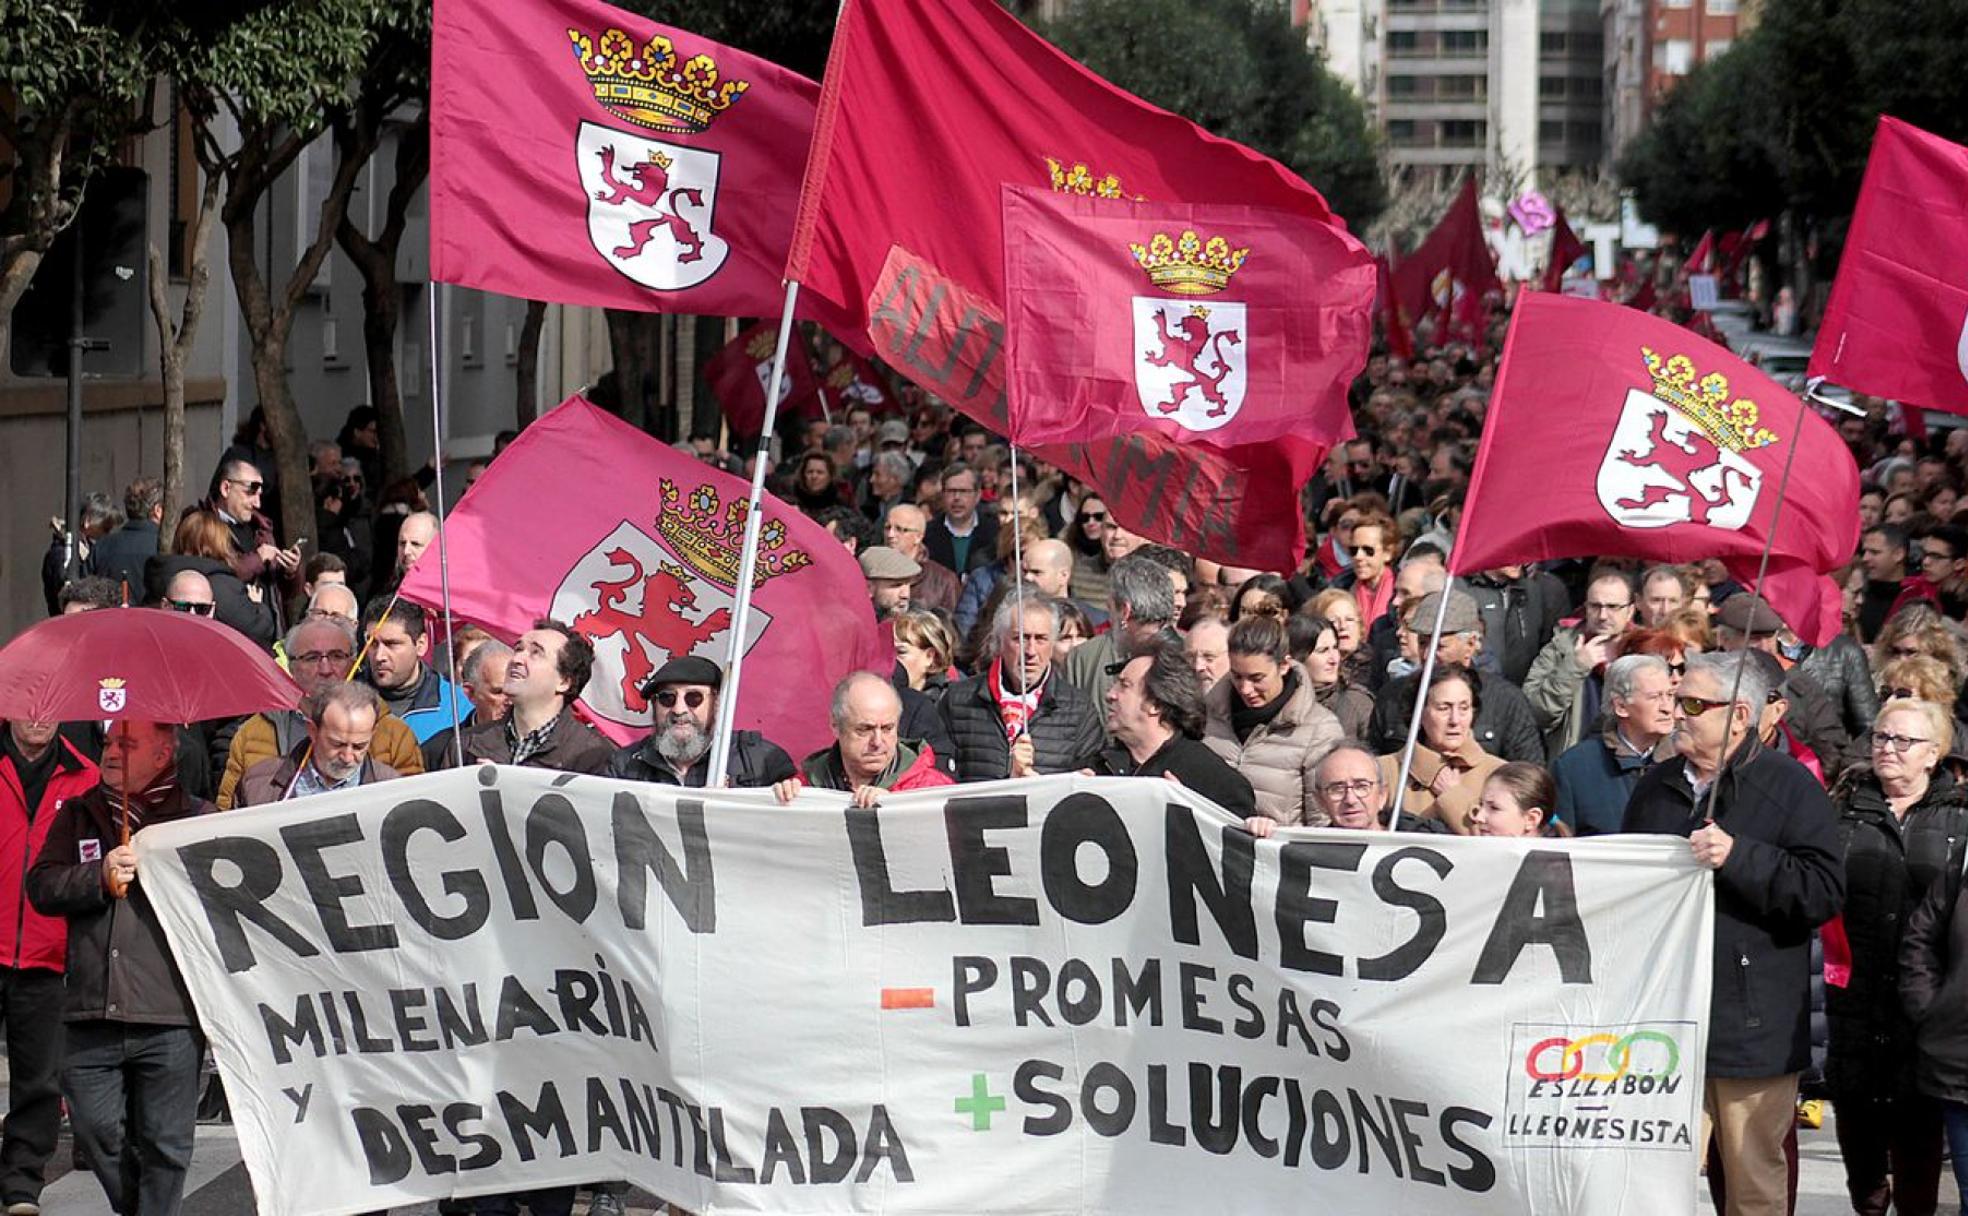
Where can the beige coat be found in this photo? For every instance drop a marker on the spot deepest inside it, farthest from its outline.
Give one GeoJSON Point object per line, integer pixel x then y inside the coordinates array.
{"type": "Point", "coordinates": [1281, 758]}
{"type": "Point", "coordinates": [1453, 807]}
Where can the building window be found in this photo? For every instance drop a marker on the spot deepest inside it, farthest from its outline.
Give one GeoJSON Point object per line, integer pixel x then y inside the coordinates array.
{"type": "Point", "coordinates": [1401, 131]}
{"type": "Point", "coordinates": [1674, 56]}
{"type": "Point", "coordinates": [1402, 86]}
{"type": "Point", "coordinates": [1717, 47]}
{"type": "Point", "coordinates": [1722, 8]}
{"type": "Point", "coordinates": [1462, 133]}
{"type": "Point", "coordinates": [1551, 131]}
{"type": "Point", "coordinates": [1551, 43]}
{"type": "Point", "coordinates": [1551, 87]}
{"type": "Point", "coordinates": [1464, 43]}
{"type": "Point", "coordinates": [1677, 3]}
{"type": "Point", "coordinates": [1459, 88]}
{"type": "Point", "coordinates": [1402, 42]}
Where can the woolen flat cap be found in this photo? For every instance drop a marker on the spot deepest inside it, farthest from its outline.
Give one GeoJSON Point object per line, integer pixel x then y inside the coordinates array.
{"type": "Point", "coordinates": [1746, 613]}
{"type": "Point", "coordinates": [690, 669]}
{"type": "Point", "coordinates": [1463, 614]}
{"type": "Point", "coordinates": [894, 430]}
{"type": "Point", "coordinates": [880, 561]}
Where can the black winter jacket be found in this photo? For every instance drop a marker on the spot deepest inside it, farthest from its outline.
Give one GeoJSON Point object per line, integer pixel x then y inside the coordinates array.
{"type": "Point", "coordinates": [231, 604]}
{"type": "Point", "coordinates": [1783, 879]}
{"type": "Point", "coordinates": [1889, 865]}
{"type": "Point", "coordinates": [755, 763]}
{"type": "Point", "coordinates": [1934, 988]}
{"type": "Point", "coordinates": [1067, 732]}
{"type": "Point", "coordinates": [120, 967]}
{"type": "Point", "coordinates": [1519, 616]}
{"type": "Point", "coordinates": [1840, 668]}
{"type": "Point", "coordinates": [1505, 724]}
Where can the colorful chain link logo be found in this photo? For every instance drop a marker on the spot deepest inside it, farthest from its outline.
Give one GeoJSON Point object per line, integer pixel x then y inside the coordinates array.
{"type": "Point", "coordinates": [1618, 1057]}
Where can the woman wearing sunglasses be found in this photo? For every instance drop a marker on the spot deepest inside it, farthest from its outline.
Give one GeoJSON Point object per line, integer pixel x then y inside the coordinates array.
{"type": "Point", "coordinates": [1901, 821]}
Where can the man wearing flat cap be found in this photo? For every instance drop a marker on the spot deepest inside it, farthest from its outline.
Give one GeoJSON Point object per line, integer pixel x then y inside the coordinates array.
{"type": "Point", "coordinates": [683, 696]}
{"type": "Point", "coordinates": [1748, 622]}
{"type": "Point", "coordinates": [890, 576]}
{"type": "Point", "coordinates": [1504, 725]}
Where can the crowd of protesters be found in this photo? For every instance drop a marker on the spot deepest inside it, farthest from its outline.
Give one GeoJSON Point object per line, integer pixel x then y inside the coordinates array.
{"type": "Point", "coordinates": [1034, 633]}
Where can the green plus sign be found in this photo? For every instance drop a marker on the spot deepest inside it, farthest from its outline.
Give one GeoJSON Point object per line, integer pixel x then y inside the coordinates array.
{"type": "Point", "coordinates": [980, 1105]}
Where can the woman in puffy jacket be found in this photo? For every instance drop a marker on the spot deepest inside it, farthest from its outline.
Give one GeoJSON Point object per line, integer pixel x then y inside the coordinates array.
{"type": "Point", "coordinates": [1264, 720]}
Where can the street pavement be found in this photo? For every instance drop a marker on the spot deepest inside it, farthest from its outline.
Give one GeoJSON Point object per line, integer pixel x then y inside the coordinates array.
{"type": "Point", "coordinates": [218, 1185]}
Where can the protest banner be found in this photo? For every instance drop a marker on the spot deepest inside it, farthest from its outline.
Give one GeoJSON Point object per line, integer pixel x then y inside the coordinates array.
{"type": "Point", "coordinates": [1056, 995]}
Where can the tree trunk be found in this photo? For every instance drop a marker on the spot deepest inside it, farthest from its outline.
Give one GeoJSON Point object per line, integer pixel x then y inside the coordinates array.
{"type": "Point", "coordinates": [526, 377]}
{"type": "Point", "coordinates": [174, 343]}
{"type": "Point", "coordinates": [382, 300]}
{"type": "Point", "coordinates": [632, 342]}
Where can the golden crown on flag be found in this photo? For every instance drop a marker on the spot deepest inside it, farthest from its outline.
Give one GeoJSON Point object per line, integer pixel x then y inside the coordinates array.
{"type": "Point", "coordinates": [1705, 401]}
{"type": "Point", "coordinates": [762, 345]}
{"type": "Point", "coordinates": [1187, 265]}
{"type": "Point", "coordinates": [650, 86]}
{"type": "Point", "coordinates": [1076, 178]}
{"type": "Point", "coordinates": [711, 541]}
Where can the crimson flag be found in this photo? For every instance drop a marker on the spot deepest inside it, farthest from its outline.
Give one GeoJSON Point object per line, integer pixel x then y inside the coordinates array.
{"type": "Point", "coordinates": [586, 155]}
{"type": "Point", "coordinates": [1700, 257]}
{"type": "Point", "coordinates": [1451, 271]}
{"type": "Point", "coordinates": [926, 113]}
{"type": "Point", "coordinates": [1400, 340]}
{"type": "Point", "coordinates": [1235, 324]}
{"type": "Point", "coordinates": [644, 561]}
{"type": "Point", "coordinates": [850, 381]}
{"type": "Point", "coordinates": [1897, 322]}
{"type": "Point", "coordinates": [740, 373]}
{"type": "Point", "coordinates": [1566, 248]}
{"type": "Point", "coordinates": [1614, 432]}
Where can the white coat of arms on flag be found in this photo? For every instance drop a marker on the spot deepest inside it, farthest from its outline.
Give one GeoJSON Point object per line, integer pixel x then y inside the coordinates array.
{"type": "Point", "coordinates": [650, 205]}
{"type": "Point", "coordinates": [1677, 454]}
{"type": "Point", "coordinates": [643, 600]}
{"type": "Point", "coordinates": [111, 695]}
{"type": "Point", "coordinates": [1191, 359]}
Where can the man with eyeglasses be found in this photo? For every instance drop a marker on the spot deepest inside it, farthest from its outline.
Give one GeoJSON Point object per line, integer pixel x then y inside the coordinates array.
{"type": "Point", "coordinates": [1762, 822]}
{"type": "Point", "coordinates": [320, 652]}
{"type": "Point", "coordinates": [962, 537]}
{"type": "Point", "coordinates": [1597, 776]}
{"type": "Point", "coordinates": [1566, 682]}
{"type": "Point", "coordinates": [1349, 787]}
{"type": "Point", "coordinates": [1940, 572]}
{"type": "Point", "coordinates": [938, 586]}
{"type": "Point", "coordinates": [683, 695]}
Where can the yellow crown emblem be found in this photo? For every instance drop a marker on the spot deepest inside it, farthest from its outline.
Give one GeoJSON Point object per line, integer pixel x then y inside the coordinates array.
{"type": "Point", "coordinates": [1188, 265]}
{"type": "Point", "coordinates": [1705, 401]}
{"type": "Point", "coordinates": [1076, 178]}
{"type": "Point", "coordinates": [111, 682]}
{"type": "Point", "coordinates": [762, 345]}
{"type": "Point", "coordinates": [651, 85]}
{"type": "Point", "coordinates": [711, 541]}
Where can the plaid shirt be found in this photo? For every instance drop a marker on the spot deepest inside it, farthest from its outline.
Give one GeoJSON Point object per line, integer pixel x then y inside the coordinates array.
{"type": "Point", "coordinates": [524, 746]}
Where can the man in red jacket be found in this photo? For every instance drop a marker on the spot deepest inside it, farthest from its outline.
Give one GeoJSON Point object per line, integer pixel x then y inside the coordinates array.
{"type": "Point", "coordinates": [869, 757]}
{"type": "Point", "coordinates": [39, 771]}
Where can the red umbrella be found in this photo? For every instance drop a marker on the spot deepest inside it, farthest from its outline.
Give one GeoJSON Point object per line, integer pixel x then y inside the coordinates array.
{"type": "Point", "coordinates": [138, 665]}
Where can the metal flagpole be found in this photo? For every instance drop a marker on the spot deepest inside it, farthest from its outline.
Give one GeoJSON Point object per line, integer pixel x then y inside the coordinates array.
{"type": "Point", "coordinates": [734, 655]}
{"type": "Point", "coordinates": [443, 549]}
{"type": "Point", "coordinates": [1017, 574]}
{"type": "Point", "coordinates": [1421, 697]}
{"type": "Point", "coordinates": [1762, 568]}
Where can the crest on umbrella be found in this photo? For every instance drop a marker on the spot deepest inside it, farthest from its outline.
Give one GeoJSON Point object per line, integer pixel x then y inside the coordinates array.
{"type": "Point", "coordinates": [111, 695]}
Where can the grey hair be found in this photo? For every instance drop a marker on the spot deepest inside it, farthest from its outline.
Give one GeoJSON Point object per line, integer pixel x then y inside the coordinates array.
{"type": "Point", "coordinates": [1007, 620]}
{"type": "Point", "coordinates": [352, 695]}
{"type": "Point", "coordinates": [1624, 672]}
{"type": "Point", "coordinates": [837, 709]}
{"type": "Point", "coordinates": [896, 464]}
{"type": "Point", "coordinates": [1349, 745]}
{"type": "Point", "coordinates": [291, 643]}
{"type": "Point", "coordinates": [836, 436]}
{"type": "Point", "coordinates": [1722, 666]}
{"type": "Point", "coordinates": [1144, 587]}
{"type": "Point", "coordinates": [474, 664]}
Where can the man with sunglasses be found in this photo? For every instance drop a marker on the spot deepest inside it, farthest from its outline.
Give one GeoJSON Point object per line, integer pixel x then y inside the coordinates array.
{"type": "Point", "coordinates": [1761, 821]}
{"type": "Point", "coordinates": [683, 697]}
{"type": "Point", "coordinates": [238, 489]}
{"type": "Point", "coordinates": [320, 652]}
